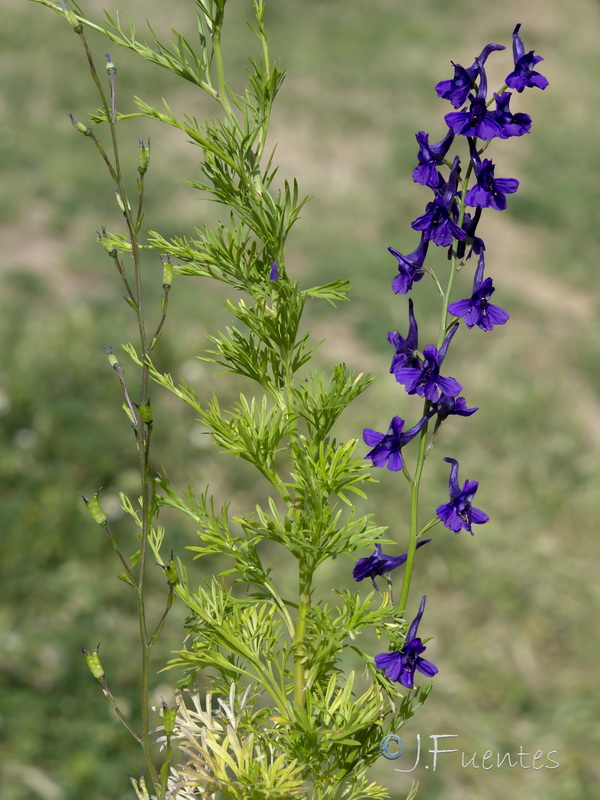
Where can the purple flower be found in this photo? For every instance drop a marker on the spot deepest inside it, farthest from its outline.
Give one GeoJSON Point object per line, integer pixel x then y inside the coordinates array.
{"type": "Point", "coordinates": [478, 121]}
{"type": "Point", "coordinates": [457, 89]}
{"type": "Point", "coordinates": [511, 124]}
{"type": "Point", "coordinates": [523, 74]}
{"type": "Point", "coordinates": [425, 380]}
{"type": "Point", "coordinates": [449, 406]}
{"type": "Point", "coordinates": [406, 349]}
{"type": "Point", "coordinates": [430, 156]}
{"type": "Point", "coordinates": [274, 273]}
{"type": "Point", "coordinates": [437, 222]}
{"type": "Point", "coordinates": [459, 512]}
{"type": "Point", "coordinates": [410, 267]}
{"type": "Point", "coordinates": [379, 563]}
{"type": "Point", "coordinates": [401, 666]}
{"type": "Point", "coordinates": [387, 446]}
{"type": "Point", "coordinates": [477, 310]}
{"type": "Point", "coordinates": [489, 190]}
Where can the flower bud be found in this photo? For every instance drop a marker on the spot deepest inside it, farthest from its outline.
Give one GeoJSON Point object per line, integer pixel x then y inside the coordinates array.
{"type": "Point", "coordinates": [145, 411]}
{"type": "Point", "coordinates": [93, 506]}
{"type": "Point", "coordinates": [80, 126]}
{"type": "Point", "coordinates": [144, 158]}
{"type": "Point", "coordinates": [71, 18]}
{"type": "Point", "coordinates": [167, 271]}
{"type": "Point", "coordinates": [120, 201]}
{"type": "Point", "coordinates": [110, 67]}
{"type": "Point", "coordinates": [106, 242]}
{"type": "Point", "coordinates": [169, 715]}
{"type": "Point", "coordinates": [93, 662]}
{"type": "Point", "coordinates": [112, 359]}
{"type": "Point", "coordinates": [140, 788]}
{"type": "Point", "coordinates": [170, 571]}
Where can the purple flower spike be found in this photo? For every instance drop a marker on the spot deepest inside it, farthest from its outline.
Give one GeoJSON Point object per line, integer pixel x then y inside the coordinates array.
{"type": "Point", "coordinates": [459, 512]}
{"type": "Point", "coordinates": [457, 90]}
{"type": "Point", "coordinates": [406, 349]}
{"type": "Point", "coordinates": [410, 267]}
{"type": "Point", "coordinates": [274, 273]}
{"type": "Point", "coordinates": [437, 222]}
{"type": "Point", "coordinates": [489, 190]}
{"type": "Point", "coordinates": [523, 74]}
{"type": "Point", "coordinates": [430, 156]}
{"type": "Point", "coordinates": [425, 380]}
{"type": "Point", "coordinates": [387, 447]}
{"type": "Point", "coordinates": [477, 310]}
{"type": "Point", "coordinates": [401, 666]}
{"type": "Point", "coordinates": [379, 563]}
{"type": "Point", "coordinates": [511, 124]}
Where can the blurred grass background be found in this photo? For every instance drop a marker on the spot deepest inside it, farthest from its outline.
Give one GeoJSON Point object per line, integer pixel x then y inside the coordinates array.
{"type": "Point", "coordinates": [513, 610]}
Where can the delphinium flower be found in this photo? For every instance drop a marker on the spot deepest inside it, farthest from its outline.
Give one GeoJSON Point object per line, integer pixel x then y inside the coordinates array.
{"type": "Point", "coordinates": [489, 190]}
{"type": "Point", "coordinates": [410, 267]}
{"type": "Point", "coordinates": [406, 354]}
{"type": "Point", "coordinates": [477, 310]}
{"type": "Point", "coordinates": [479, 120]}
{"type": "Point", "coordinates": [425, 379]}
{"type": "Point", "coordinates": [379, 563]}
{"type": "Point", "coordinates": [430, 156]}
{"type": "Point", "coordinates": [523, 74]}
{"type": "Point", "coordinates": [460, 513]}
{"type": "Point", "coordinates": [387, 447]}
{"type": "Point", "coordinates": [448, 406]}
{"type": "Point", "coordinates": [438, 222]}
{"type": "Point", "coordinates": [457, 89]}
{"type": "Point", "coordinates": [511, 124]}
{"type": "Point", "coordinates": [401, 665]}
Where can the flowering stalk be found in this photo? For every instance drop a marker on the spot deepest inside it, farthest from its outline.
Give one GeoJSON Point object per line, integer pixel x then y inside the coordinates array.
{"type": "Point", "coordinates": [447, 223]}
{"type": "Point", "coordinates": [120, 248]}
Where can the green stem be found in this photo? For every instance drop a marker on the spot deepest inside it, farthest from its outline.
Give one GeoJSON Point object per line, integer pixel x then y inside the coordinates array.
{"type": "Point", "coordinates": [305, 586]}
{"type": "Point", "coordinates": [414, 514]}
{"type": "Point", "coordinates": [259, 10]}
{"type": "Point", "coordinates": [164, 770]}
{"type": "Point", "coordinates": [145, 643]}
{"type": "Point", "coordinates": [453, 262]}
{"type": "Point", "coordinates": [145, 710]}
{"type": "Point", "coordinates": [107, 108]}
{"type": "Point", "coordinates": [305, 569]}
{"type": "Point", "coordinates": [223, 96]}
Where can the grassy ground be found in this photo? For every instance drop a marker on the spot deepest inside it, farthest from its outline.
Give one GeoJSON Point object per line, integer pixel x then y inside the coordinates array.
{"type": "Point", "coordinates": [514, 610]}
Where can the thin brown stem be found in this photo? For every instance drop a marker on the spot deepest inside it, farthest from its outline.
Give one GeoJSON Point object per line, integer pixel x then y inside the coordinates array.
{"type": "Point", "coordinates": [161, 622]}
{"type": "Point", "coordinates": [109, 696]}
